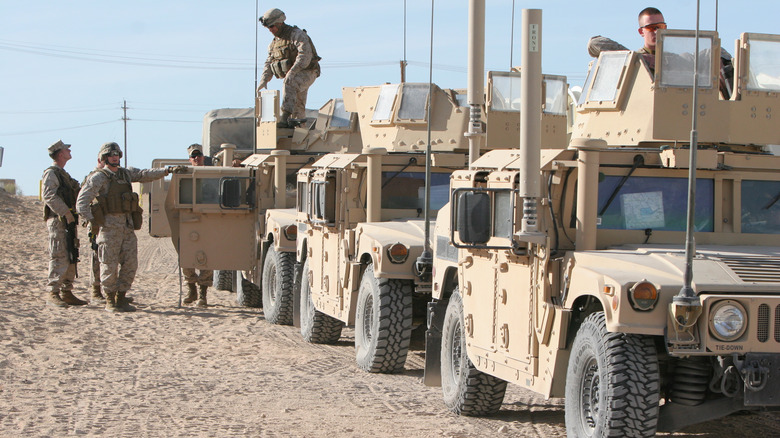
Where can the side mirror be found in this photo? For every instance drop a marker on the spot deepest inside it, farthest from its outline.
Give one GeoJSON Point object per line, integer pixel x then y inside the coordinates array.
{"type": "Point", "coordinates": [473, 217]}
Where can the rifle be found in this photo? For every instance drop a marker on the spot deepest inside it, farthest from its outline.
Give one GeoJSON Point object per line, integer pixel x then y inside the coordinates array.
{"type": "Point", "coordinates": [72, 240]}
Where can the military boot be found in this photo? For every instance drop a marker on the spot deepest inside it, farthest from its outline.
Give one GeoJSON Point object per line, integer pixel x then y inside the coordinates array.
{"type": "Point", "coordinates": [202, 296]}
{"type": "Point", "coordinates": [193, 293]}
{"type": "Point", "coordinates": [122, 304]}
{"type": "Point", "coordinates": [54, 300]}
{"type": "Point", "coordinates": [284, 120]}
{"type": "Point", "coordinates": [111, 302]}
{"type": "Point", "coordinates": [69, 298]}
{"type": "Point", "coordinates": [96, 295]}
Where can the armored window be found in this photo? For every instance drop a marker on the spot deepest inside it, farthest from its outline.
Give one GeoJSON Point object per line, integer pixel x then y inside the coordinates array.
{"type": "Point", "coordinates": [462, 99]}
{"type": "Point", "coordinates": [505, 93]}
{"type": "Point", "coordinates": [406, 190]}
{"type": "Point", "coordinates": [267, 106]}
{"type": "Point", "coordinates": [185, 191]}
{"type": "Point", "coordinates": [607, 77]}
{"type": "Point", "coordinates": [384, 103]}
{"type": "Point", "coordinates": [206, 190]}
{"type": "Point", "coordinates": [657, 203]}
{"type": "Point", "coordinates": [414, 102]}
{"type": "Point", "coordinates": [588, 81]}
{"type": "Point", "coordinates": [341, 118]}
{"type": "Point", "coordinates": [760, 207]}
{"type": "Point", "coordinates": [555, 95]}
{"type": "Point", "coordinates": [676, 64]}
{"type": "Point", "coordinates": [502, 213]}
{"type": "Point", "coordinates": [303, 196]}
{"type": "Point", "coordinates": [763, 68]}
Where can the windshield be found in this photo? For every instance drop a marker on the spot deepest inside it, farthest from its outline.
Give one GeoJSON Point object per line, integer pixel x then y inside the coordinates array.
{"type": "Point", "coordinates": [761, 207]}
{"type": "Point", "coordinates": [654, 203]}
{"type": "Point", "coordinates": [407, 190]}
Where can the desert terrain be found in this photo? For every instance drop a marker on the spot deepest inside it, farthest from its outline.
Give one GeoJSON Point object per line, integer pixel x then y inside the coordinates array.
{"type": "Point", "coordinates": [221, 371]}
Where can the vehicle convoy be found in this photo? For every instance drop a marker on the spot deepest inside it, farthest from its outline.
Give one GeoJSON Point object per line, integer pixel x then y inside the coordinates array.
{"type": "Point", "coordinates": [563, 270]}
{"type": "Point", "coordinates": [217, 213]}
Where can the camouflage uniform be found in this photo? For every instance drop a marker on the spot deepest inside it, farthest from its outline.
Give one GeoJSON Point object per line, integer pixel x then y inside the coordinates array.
{"type": "Point", "coordinates": [117, 243]}
{"type": "Point", "coordinates": [292, 56]}
{"type": "Point", "coordinates": [202, 279]}
{"type": "Point", "coordinates": [94, 272]}
{"type": "Point", "coordinates": [59, 196]}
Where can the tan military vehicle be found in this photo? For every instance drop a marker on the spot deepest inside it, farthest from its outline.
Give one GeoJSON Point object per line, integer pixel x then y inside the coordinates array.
{"type": "Point", "coordinates": [361, 216]}
{"type": "Point", "coordinates": [564, 270]}
{"type": "Point", "coordinates": [217, 214]}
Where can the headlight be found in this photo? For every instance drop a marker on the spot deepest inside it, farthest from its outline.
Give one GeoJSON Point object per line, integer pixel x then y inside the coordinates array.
{"type": "Point", "coordinates": [291, 232]}
{"type": "Point", "coordinates": [728, 320]}
{"type": "Point", "coordinates": [397, 253]}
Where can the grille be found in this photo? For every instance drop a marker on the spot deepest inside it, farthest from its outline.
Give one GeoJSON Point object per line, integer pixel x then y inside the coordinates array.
{"type": "Point", "coordinates": [754, 269]}
{"type": "Point", "coordinates": [763, 323]}
{"type": "Point", "coordinates": [777, 324]}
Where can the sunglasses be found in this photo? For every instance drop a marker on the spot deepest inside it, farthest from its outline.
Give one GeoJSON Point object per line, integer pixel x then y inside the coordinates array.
{"type": "Point", "coordinates": [653, 27]}
{"type": "Point", "coordinates": [196, 154]}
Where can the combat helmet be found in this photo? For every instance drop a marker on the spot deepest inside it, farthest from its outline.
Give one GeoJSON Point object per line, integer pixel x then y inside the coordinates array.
{"type": "Point", "coordinates": [272, 16]}
{"type": "Point", "coordinates": [108, 149]}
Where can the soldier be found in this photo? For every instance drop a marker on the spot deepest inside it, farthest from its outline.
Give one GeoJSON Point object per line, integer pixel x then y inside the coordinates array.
{"type": "Point", "coordinates": [97, 296]}
{"type": "Point", "coordinates": [291, 56]}
{"type": "Point", "coordinates": [197, 282]}
{"type": "Point", "coordinates": [117, 215]}
{"type": "Point", "coordinates": [59, 196]}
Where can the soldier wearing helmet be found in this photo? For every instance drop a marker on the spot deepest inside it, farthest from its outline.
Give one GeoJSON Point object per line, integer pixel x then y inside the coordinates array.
{"type": "Point", "coordinates": [292, 57]}
{"type": "Point", "coordinates": [116, 214]}
{"type": "Point", "coordinates": [59, 212]}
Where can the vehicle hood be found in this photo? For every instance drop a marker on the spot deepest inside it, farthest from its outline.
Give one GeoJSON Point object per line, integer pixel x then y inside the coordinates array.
{"type": "Point", "coordinates": [408, 232]}
{"type": "Point", "coordinates": [715, 268]}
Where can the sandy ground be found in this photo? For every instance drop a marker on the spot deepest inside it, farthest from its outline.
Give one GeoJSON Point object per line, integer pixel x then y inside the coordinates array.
{"type": "Point", "coordinates": [222, 371]}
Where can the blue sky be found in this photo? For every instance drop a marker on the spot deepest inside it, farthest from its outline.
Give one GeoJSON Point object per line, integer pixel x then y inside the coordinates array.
{"type": "Point", "coordinates": [68, 66]}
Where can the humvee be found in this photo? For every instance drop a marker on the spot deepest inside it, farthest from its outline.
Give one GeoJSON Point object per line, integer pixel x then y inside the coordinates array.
{"type": "Point", "coordinates": [361, 227]}
{"type": "Point", "coordinates": [562, 270]}
{"type": "Point", "coordinates": [217, 214]}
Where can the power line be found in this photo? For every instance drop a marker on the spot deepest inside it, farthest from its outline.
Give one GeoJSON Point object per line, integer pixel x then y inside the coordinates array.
{"type": "Point", "coordinates": [57, 129]}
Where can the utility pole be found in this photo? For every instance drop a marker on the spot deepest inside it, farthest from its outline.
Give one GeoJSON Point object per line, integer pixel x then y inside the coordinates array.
{"type": "Point", "coordinates": [125, 119]}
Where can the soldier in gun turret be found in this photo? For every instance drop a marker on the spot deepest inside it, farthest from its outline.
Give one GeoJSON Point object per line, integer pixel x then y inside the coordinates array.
{"type": "Point", "coordinates": [117, 214]}
{"type": "Point", "coordinates": [292, 57]}
{"type": "Point", "coordinates": [59, 195]}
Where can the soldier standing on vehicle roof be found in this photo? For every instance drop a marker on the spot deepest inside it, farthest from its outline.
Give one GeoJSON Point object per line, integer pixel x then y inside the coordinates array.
{"type": "Point", "coordinates": [117, 215]}
{"type": "Point", "coordinates": [59, 212]}
{"type": "Point", "coordinates": [292, 57]}
{"type": "Point", "coordinates": [197, 282]}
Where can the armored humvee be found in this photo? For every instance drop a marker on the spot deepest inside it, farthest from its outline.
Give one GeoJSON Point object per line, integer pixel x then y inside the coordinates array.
{"type": "Point", "coordinates": [217, 213]}
{"type": "Point", "coordinates": [560, 269]}
{"type": "Point", "coordinates": [360, 216]}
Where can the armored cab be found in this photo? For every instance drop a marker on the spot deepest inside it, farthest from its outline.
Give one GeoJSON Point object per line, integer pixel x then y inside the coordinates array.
{"type": "Point", "coordinates": [581, 303]}
{"type": "Point", "coordinates": [361, 216]}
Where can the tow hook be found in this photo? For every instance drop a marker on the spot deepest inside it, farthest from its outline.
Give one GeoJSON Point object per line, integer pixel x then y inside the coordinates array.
{"type": "Point", "coordinates": [753, 373]}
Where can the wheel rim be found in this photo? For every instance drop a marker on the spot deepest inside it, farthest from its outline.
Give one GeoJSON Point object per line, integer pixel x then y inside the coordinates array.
{"type": "Point", "coordinates": [456, 349]}
{"type": "Point", "coordinates": [590, 395]}
{"type": "Point", "coordinates": [272, 285]}
{"type": "Point", "coordinates": [368, 320]}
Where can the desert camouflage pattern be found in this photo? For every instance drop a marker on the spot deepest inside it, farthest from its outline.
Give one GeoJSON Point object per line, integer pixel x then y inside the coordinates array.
{"type": "Point", "coordinates": [117, 243]}
{"type": "Point", "coordinates": [203, 277]}
{"type": "Point", "coordinates": [61, 271]}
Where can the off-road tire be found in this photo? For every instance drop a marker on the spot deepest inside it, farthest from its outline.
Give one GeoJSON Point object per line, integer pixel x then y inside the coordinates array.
{"type": "Point", "coordinates": [383, 323]}
{"type": "Point", "coordinates": [316, 327]}
{"type": "Point", "coordinates": [612, 383]}
{"type": "Point", "coordinates": [223, 280]}
{"type": "Point", "coordinates": [248, 294]}
{"type": "Point", "coordinates": [466, 390]}
{"type": "Point", "coordinates": [278, 287]}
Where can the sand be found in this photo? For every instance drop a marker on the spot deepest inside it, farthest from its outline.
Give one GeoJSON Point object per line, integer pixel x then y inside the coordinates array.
{"type": "Point", "coordinates": [221, 371]}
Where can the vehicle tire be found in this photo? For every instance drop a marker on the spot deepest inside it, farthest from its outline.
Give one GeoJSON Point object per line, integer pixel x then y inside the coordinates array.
{"type": "Point", "coordinates": [316, 327]}
{"type": "Point", "coordinates": [612, 383]}
{"type": "Point", "coordinates": [383, 323]}
{"type": "Point", "coordinates": [278, 286]}
{"type": "Point", "coordinates": [466, 390]}
{"type": "Point", "coordinates": [248, 294]}
{"type": "Point", "coordinates": [223, 280]}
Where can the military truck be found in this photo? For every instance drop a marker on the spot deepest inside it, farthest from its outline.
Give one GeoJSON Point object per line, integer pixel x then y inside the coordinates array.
{"type": "Point", "coordinates": [217, 214]}
{"type": "Point", "coordinates": [564, 270]}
